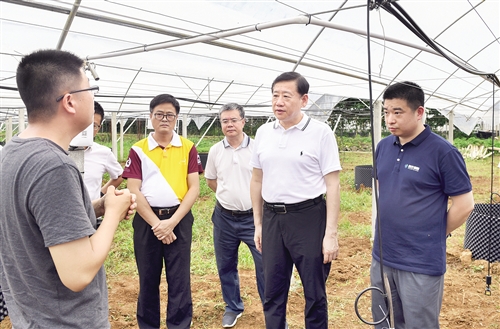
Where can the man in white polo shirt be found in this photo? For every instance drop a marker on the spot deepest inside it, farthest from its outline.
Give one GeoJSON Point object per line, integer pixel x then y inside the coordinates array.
{"type": "Point", "coordinates": [97, 160]}
{"type": "Point", "coordinates": [228, 174]}
{"type": "Point", "coordinates": [295, 162]}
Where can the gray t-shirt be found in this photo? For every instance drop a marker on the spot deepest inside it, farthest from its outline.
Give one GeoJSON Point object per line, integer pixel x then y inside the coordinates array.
{"type": "Point", "coordinates": [44, 202]}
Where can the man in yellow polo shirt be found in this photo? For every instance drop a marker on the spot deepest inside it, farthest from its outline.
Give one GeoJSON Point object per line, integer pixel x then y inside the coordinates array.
{"type": "Point", "coordinates": [162, 170]}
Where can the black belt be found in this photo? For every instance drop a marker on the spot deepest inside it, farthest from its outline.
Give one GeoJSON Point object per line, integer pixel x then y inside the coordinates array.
{"type": "Point", "coordinates": [283, 208]}
{"type": "Point", "coordinates": [236, 213]}
{"type": "Point", "coordinates": [160, 211]}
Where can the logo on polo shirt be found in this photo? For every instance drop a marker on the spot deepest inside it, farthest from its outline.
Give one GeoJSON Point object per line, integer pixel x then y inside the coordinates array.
{"type": "Point", "coordinates": [127, 164]}
{"type": "Point", "coordinates": [411, 167]}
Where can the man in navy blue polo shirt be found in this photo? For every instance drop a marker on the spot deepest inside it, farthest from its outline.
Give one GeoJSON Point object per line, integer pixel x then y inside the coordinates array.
{"type": "Point", "coordinates": [418, 173]}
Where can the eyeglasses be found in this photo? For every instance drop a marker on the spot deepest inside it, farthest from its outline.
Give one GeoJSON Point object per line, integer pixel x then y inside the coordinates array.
{"type": "Point", "coordinates": [159, 116]}
{"type": "Point", "coordinates": [233, 121]}
{"type": "Point", "coordinates": [93, 89]}
{"type": "Point", "coordinates": [96, 126]}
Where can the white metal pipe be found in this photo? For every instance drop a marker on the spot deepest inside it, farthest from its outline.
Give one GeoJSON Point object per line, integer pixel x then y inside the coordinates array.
{"type": "Point", "coordinates": [337, 123]}
{"type": "Point", "coordinates": [257, 27]}
{"type": "Point", "coordinates": [69, 21]}
{"type": "Point", "coordinates": [206, 131]}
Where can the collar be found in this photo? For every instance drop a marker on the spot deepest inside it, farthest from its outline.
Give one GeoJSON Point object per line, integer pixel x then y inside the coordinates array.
{"type": "Point", "coordinates": [152, 143]}
{"type": "Point", "coordinates": [88, 148]}
{"type": "Point", "coordinates": [417, 140]}
{"type": "Point", "coordinates": [244, 143]}
{"type": "Point", "coordinates": [302, 125]}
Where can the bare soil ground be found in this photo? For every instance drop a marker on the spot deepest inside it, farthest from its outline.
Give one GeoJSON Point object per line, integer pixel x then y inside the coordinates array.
{"type": "Point", "coordinates": [465, 304]}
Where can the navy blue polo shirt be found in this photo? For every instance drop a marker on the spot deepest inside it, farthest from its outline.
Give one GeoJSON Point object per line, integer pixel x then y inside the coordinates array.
{"type": "Point", "coordinates": [415, 181]}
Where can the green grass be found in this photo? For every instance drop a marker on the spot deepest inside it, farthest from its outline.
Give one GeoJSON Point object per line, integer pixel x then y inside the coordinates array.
{"type": "Point", "coordinates": [353, 201]}
{"type": "Point", "coordinates": [348, 229]}
{"type": "Point", "coordinates": [121, 258]}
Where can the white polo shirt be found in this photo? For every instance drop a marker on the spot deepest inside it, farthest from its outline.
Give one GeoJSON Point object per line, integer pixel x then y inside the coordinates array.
{"type": "Point", "coordinates": [294, 161]}
{"type": "Point", "coordinates": [97, 160]}
{"type": "Point", "coordinates": [231, 168]}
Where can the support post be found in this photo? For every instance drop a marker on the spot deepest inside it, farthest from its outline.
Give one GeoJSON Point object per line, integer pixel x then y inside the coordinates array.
{"type": "Point", "coordinates": [21, 120]}
{"type": "Point", "coordinates": [113, 133]}
{"type": "Point", "coordinates": [451, 125]}
{"type": "Point", "coordinates": [184, 125]}
{"type": "Point", "coordinates": [122, 123]}
{"type": "Point", "coordinates": [8, 129]}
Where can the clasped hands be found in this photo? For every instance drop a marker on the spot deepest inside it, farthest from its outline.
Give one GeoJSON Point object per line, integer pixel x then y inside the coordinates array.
{"type": "Point", "coordinates": [164, 231]}
{"type": "Point", "coordinates": [121, 201]}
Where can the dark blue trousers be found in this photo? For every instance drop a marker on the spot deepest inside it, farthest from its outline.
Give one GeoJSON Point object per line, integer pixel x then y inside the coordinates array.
{"type": "Point", "coordinates": [229, 232]}
{"type": "Point", "coordinates": [295, 238]}
{"type": "Point", "coordinates": [150, 253]}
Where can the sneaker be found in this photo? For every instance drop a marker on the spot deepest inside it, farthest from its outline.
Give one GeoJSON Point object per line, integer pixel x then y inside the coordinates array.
{"type": "Point", "coordinates": [286, 325]}
{"type": "Point", "coordinates": [229, 319]}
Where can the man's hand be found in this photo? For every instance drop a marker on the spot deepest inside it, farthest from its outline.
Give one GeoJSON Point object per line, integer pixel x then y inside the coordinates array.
{"type": "Point", "coordinates": [330, 248]}
{"type": "Point", "coordinates": [164, 231]}
{"type": "Point", "coordinates": [133, 203]}
{"type": "Point", "coordinates": [258, 238]}
{"type": "Point", "coordinates": [119, 203]}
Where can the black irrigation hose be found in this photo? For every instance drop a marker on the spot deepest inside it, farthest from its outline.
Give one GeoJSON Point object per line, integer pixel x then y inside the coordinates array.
{"type": "Point", "coordinates": [412, 26]}
{"type": "Point", "coordinates": [375, 188]}
{"type": "Point", "coordinates": [356, 309]}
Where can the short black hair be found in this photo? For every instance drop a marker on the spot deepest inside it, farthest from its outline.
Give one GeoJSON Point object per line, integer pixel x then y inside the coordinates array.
{"type": "Point", "coordinates": [411, 92]}
{"type": "Point", "coordinates": [301, 82]}
{"type": "Point", "coordinates": [99, 110]}
{"type": "Point", "coordinates": [42, 75]}
{"type": "Point", "coordinates": [162, 99]}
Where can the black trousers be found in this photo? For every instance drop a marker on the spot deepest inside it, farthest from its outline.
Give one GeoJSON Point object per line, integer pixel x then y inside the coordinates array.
{"type": "Point", "coordinates": [295, 238]}
{"type": "Point", "coordinates": [150, 253]}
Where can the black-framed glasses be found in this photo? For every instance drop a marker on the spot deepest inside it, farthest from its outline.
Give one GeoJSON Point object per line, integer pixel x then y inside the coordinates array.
{"type": "Point", "coordinates": [159, 116]}
{"type": "Point", "coordinates": [93, 89]}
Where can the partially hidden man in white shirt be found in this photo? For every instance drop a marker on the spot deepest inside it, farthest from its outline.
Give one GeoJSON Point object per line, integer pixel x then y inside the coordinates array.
{"type": "Point", "coordinates": [98, 160]}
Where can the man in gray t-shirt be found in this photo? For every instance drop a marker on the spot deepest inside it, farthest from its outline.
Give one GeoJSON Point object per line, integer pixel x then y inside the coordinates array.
{"type": "Point", "coordinates": [51, 257]}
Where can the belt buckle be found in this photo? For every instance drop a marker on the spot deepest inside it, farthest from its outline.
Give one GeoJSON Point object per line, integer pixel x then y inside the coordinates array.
{"type": "Point", "coordinates": [277, 209]}
{"type": "Point", "coordinates": [165, 211]}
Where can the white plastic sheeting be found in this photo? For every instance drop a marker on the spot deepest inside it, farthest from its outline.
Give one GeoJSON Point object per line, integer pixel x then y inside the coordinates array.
{"type": "Point", "coordinates": [240, 67]}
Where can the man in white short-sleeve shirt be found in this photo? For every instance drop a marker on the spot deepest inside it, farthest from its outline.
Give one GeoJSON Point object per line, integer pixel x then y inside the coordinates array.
{"type": "Point", "coordinates": [295, 162]}
{"type": "Point", "coordinates": [98, 160]}
{"type": "Point", "coordinates": [228, 174]}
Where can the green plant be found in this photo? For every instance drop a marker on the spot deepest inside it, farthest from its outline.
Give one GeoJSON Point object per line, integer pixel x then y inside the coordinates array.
{"type": "Point", "coordinates": [121, 259]}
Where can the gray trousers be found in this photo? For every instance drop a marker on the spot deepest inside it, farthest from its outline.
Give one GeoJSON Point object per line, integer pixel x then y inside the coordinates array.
{"type": "Point", "coordinates": [416, 298]}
